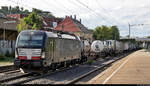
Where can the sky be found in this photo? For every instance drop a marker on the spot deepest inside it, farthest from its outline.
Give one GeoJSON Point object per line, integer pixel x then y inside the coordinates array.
{"type": "Point", "coordinates": [95, 13]}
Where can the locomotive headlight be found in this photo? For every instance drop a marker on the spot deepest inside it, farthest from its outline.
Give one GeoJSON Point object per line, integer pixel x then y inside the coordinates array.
{"type": "Point", "coordinates": [16, 54]}
{"type": "Point", "coordinates": [43, 55]}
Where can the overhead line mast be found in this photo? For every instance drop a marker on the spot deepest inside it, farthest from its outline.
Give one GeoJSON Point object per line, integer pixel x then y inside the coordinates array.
{"type": "Point", "coordinates": [134, 25]}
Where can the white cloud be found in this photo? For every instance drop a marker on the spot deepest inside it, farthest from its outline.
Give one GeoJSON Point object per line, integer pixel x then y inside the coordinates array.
{"type": "Point", "coordinates": [118, 12]}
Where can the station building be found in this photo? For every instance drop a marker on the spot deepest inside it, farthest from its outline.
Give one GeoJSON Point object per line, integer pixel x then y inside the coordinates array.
{"type": "Point", "coordinates": [8, 34]}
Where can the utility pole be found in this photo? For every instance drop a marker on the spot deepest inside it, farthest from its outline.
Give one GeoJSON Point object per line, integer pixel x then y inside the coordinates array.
{"type": "Point", "coordinates": [115, 41]}
{"type": "Point", "coordinates": [129, 29]}
{"type": "Point", "coordinates": [135, 25]}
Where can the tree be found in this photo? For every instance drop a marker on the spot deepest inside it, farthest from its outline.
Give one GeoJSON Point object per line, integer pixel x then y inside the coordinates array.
{"type": "Point", "coordinates": [13, 10]}
{"type": "Point", "coordinates": [33, 20]}
{"type": "Point", "coordinates": [4, 9]}
{"type": "Point", "coordinates": [106, 33]}
{"type": "Point", "coordinates": [22, 25]}
{"type": "Point", "coordinates": [43, 13]}
{"type": "Point", "coordinates": [97, 32]}
{"type": "Point", "coordinates": [26, 12]}
{"type": "Point", "coordinates": [38, 11]}
{"type": "Point", "coordinates": [114, 33]}
{"type": "Point", "coordinates": [101, 33]}
{"type": "Point", "coordinates": [20, 10]}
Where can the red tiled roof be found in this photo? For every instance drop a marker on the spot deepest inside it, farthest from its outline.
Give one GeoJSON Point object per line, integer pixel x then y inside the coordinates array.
{"type": "Point", "coordinates": [69, 25]}
{"type": "Point", "coordinates": [17, 16]}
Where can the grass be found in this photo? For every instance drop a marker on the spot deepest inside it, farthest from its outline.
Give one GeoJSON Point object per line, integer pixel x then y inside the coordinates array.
{"type": "Point", "coordinates": [90, 61]}
{"type": "Point", "coordinates": [6, 61]}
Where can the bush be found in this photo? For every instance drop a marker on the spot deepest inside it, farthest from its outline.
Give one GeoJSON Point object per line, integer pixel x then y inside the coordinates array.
{"type": "Point", "coordinates": [7, 54]}
{"type": "Point", "coordinates": [2, 57]}
{"type": "Point", "coordinates": [10, 54]}
{"type": "Point", "coordinates": [90, 61]}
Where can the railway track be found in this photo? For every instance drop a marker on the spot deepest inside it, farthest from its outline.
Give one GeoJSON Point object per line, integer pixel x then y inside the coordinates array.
{"type": "Point", "coordinates": [22, 79]}
{"type": "Point", "coordinates": [7, 68]}
{"type": "Point", "coordinates": [103, 67]}
{"type": "Point", "coordinates": [6, 80]}
{"type": "Point", "coordinates": [32, 76]}
{"type": "Point", "coordinates": [62, 78]}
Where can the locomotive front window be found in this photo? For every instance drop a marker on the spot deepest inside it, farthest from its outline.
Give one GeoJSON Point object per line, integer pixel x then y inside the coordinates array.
{"type": "Point", "coordinates": [36, 40]}
{"type": "Point", "coordinates": [30, 40]}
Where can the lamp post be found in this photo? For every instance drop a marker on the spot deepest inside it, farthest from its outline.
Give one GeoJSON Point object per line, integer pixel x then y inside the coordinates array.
{"type": "Point", "coordinates": [6, 22]}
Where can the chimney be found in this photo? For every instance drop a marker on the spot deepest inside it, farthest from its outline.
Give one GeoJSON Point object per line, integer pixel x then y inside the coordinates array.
{"type": "Point", "coordinates": [75, 17]}
{"type": "Point", "coordinates": [80, 20]}
{"type": "Point", "coordinates": [71, 16]}
{"type": "Point", "coordinates": [65, 16]}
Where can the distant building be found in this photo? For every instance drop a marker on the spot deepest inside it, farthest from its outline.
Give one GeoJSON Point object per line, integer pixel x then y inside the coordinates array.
{"type": "Point", "coordinates": [8, 31]}
{"type": "Point", "coordinates": [52, 22]}
{"type": "Point", "coordinates": [75, 26]}
{"type": "Point", "coordinates": [17, 16]}
{"type": "Point", "coordinates": [11, 33]}
{"type": "Point", "coordinates": [48, 22]}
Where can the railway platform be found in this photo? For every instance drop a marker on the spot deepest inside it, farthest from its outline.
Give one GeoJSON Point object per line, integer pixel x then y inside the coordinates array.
{"type": "Point", "coordinates": [133, 69]}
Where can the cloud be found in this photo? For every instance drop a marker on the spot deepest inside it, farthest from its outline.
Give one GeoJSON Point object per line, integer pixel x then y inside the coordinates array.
{"type": "Point", "coordinates": [105, 12]}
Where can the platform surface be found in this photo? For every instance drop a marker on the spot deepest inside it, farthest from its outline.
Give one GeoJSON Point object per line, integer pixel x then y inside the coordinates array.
{"type": "Point", "coordinates": [133, 69]}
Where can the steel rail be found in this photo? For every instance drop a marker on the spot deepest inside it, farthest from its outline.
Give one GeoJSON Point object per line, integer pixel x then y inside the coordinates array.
{"type": "Point", "coordinates": [7, 68]}
{"type": "Point", "coordinates": [94, 70]}
{"type": "Point", "coordinates": [48, 74]}
{"type": "Point", "coordinates": [15, 77]}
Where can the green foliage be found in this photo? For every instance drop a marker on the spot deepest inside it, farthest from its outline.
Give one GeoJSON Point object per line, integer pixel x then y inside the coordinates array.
{"type": "Point", "coordinates": [22, 25]}
{"type": "Point", "coordinates": [36, 10]}
{"type": "Point", "coordinates": [114, 33]}
{"type": "Point", "coordinates": [13, 10]}
{"type": "Point", "coordinates": [33, 20]}
{"type": "Point", "coordinates": [20, 10]}
{"type": "Point", "coordinates": [6, 60]}
{"type": "Point", "coordinates": [101, 33]}
{"type": "Point", "coordinates": [106, 33]}
{"type": "Point", "coordinates": [10, 55]}
{"type": "Point", "coordinates": [2, 57]}
{"type": "Point", "coordinates": [90, 61]}
{"type": "Point", "coordinates": [43, 13]}
{"type": "Point", "coordinates": [7, 54]}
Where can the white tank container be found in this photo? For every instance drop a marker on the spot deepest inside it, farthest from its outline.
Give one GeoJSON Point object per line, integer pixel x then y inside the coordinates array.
{"type": "Point", "coordinates": [97, 46]}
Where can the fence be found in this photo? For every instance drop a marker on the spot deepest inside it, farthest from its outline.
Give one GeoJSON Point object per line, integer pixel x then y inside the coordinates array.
{"type": "Point", "coordinates": [7, 45]}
